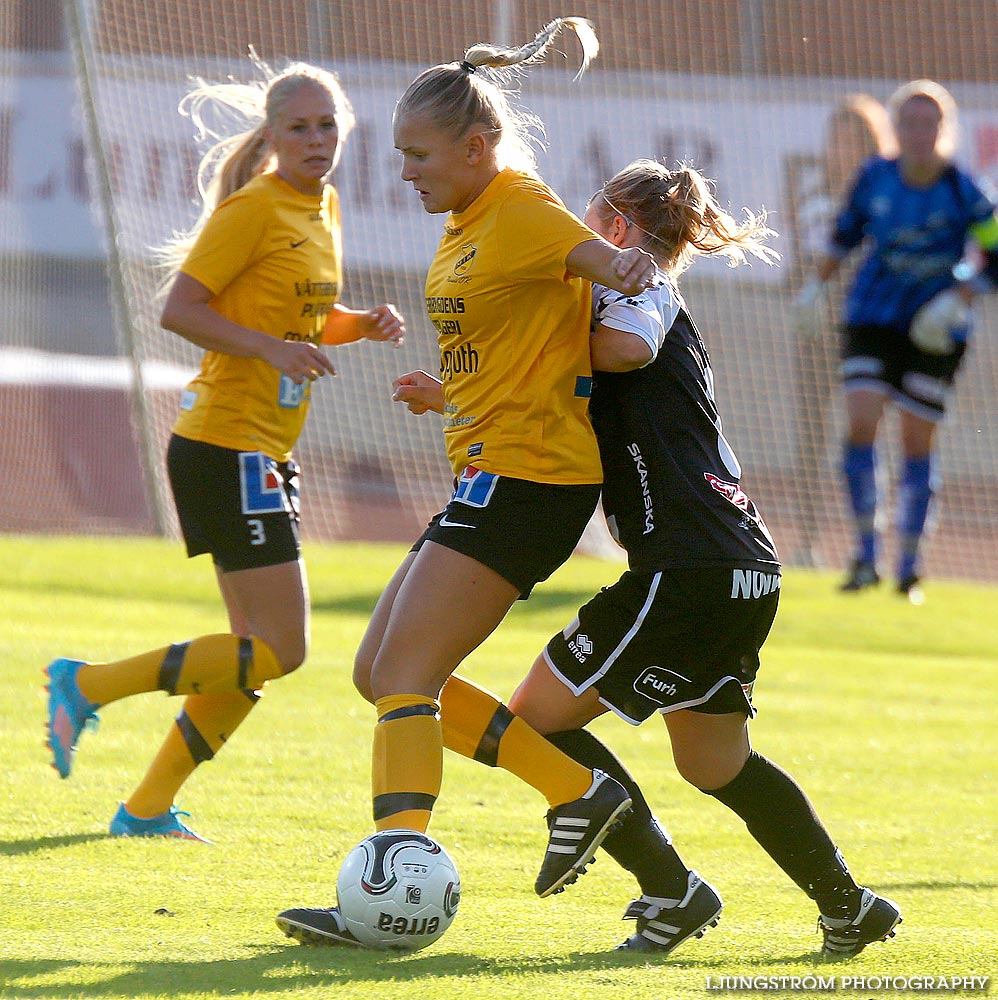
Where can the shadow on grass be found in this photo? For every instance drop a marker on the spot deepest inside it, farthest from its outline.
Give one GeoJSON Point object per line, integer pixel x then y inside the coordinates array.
{"type": "Point", "coordinates": [110, 588]}
{"type": "Point", "coordinates": [295, 968]}
{"type": "Point", "coordinates": [556, 598]}
{"type": "Point", "coordinates": [937, 885]}
{"type": "Point", "coordinates": [12, 848]}
{"type": "Point", "coordinates": [360, 603]}
{"type": "Point", "coordinates": [540, 601]}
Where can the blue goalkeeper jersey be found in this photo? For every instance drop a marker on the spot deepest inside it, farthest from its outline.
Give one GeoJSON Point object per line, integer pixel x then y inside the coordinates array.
{"type": "Point", "coordinates": [913, 237]}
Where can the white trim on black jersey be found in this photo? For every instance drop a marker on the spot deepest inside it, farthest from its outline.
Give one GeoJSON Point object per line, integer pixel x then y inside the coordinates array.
{"type": "Point", "coordinates": [649, 315]}
{"type": "Point", "coordinates": [670, 479]}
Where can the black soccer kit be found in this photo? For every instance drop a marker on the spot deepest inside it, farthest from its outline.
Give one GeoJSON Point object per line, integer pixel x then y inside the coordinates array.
{"type": "Point", "coordinates": [683, 626]}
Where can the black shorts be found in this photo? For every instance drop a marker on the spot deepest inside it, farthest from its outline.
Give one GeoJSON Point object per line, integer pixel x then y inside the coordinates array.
{"type": "Point", "coordinates": [522, 530]}
{"type": "Point", "coordinates": [240, 506]}
{"type": "Point", "coordinates": [678, 638]}
{"type": "Point", "coordinates": [882, 358]}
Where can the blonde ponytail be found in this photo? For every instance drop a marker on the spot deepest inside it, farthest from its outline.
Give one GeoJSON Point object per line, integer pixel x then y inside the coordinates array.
{"type": "Point", "coordinates": [680, 217]}
{"type": "Point", "coordinates": [476, 92]}
{"type": "Point", "coordinates": [488, 56]}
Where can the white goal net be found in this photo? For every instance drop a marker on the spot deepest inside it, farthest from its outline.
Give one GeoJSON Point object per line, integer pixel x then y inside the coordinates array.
{"type": "Point", "coordinates": [97, 166]}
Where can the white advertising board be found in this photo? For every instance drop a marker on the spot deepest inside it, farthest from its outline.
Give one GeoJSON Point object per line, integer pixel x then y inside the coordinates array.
{"type": "Point", "coordinates": [739, 132]}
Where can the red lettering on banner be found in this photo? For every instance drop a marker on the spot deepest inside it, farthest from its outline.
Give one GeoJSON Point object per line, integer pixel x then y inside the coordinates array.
{"type": "Point", "coordinates": [986, 141]}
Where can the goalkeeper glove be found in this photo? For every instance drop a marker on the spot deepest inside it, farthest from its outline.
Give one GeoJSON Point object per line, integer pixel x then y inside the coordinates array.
{"type": "Point", "coordinates": [810, 312]}
{"type": "Point", "coordinates": [940, 323]}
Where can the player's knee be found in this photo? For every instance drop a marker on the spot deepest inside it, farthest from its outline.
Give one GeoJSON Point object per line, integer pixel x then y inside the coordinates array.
{"type": "Point", "coordinates": [363, 662]}
{"type": "Point", "coordinates": [707, 772]}
{"type": "Point", "coordinates": [698, 776]}
{"type": "Point", "coordinates": [533, 714]}
{"type": "Point", "coordinates": [362, 677]}
{"type": "Point", "coordinates": [291, 653]}
{"type": "Point", "coordinates": [291, 664]}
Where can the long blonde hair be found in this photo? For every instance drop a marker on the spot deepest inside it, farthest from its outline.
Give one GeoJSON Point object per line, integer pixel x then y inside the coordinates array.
{"type": "Point", "coordinates": [680, 217]}
{"type": "Point", "coordinates": [477, 92]}
{"type": "Point", "coordinates": [235, 158]}
{"type": "Point", "coordinates": [929, 90]}
{"type": "Point", "coordinates": [858, 128]}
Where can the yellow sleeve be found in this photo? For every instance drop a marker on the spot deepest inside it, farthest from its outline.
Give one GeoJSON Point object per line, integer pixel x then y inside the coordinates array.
{"type": "Point", "coordinates": [536, 233]}
{"type": "Point", "coordinates": [229, 242]}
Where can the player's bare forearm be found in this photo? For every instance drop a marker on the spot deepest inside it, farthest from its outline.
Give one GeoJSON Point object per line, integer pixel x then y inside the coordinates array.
{"type": "Point", "coordinates": [629, 270]}
{"type": "Point", "coordinates": [187, 313]}
{"type": "Point", "coordinates": [382, 323]}
{"type": "Point", "coordinates": [419, 391]}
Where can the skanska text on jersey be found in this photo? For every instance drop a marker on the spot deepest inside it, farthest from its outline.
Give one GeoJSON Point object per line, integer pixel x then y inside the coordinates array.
{"type": "Point", "coordinates": [642, 470]}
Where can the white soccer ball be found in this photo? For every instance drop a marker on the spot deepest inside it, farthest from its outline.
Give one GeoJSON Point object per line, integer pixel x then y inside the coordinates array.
{"type": "Point", "coordinates": [398, 890]}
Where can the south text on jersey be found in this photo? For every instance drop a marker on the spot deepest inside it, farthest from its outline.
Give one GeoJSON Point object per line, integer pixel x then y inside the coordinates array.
{"type": "Point", "coordinates": [461, 360]}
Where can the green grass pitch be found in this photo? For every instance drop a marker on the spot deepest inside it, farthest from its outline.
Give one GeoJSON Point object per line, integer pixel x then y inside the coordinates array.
{"type": "Point", "coordinates": [885, 713]}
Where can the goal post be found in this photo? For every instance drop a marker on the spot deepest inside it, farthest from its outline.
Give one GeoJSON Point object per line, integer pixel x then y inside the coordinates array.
{"type": "Point", "coordinates": [742, 89]}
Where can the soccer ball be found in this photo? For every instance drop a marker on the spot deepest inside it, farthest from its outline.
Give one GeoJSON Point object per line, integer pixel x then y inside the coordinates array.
{"type": "Point", "coordinates": [398, 890]}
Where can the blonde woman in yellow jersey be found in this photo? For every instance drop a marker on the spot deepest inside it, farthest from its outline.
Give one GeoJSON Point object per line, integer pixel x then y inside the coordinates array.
{"type": "Point", "coordinates": [681, 632]}
{"type": "Point", "coordinates": [257, 285]}
{"type": "Point", "coordinates": [510, 295]}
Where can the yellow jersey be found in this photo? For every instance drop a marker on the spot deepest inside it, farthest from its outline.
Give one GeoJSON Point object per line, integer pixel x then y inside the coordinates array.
{"type": "Point", "coordinates": [513, 330]}
{"type": "Point", "coordinates": [271, 257]}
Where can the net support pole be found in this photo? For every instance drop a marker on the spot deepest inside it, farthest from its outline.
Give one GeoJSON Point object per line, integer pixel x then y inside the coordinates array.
{"type": "Point", "coordinates": [752, 19]}
{"type": "Point", "coordinates": [502, 21]}
{"type": "Point", "coordinates": [141, 417]}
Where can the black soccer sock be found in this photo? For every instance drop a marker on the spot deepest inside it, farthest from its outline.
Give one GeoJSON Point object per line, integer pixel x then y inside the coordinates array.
{"type": "Point", "coordinates": [640, 846]}
{"type": "Point", "coordinates": [783, 821]}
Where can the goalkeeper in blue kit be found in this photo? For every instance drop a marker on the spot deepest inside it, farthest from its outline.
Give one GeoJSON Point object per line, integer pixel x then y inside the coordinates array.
{"type": "Point", "coordinates": [907, 317]}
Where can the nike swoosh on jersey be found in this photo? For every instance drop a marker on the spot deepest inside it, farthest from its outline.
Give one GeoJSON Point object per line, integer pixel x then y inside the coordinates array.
{"type": "Point", "coordinates": [446, 523]}
{"type": "Point", "coordinates": [294, 246]}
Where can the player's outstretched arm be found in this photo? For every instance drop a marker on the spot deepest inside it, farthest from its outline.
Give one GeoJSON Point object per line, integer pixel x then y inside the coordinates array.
{"type": "Point", "coordinates": [383, 323]}
{"type": "Point", "coordinates": [630, 270]}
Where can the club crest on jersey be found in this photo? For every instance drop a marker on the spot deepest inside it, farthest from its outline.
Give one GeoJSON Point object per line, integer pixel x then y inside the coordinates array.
{"type": "Point", "coordinates": [733, 493]}
{"type": "Point", "coordinates": [464, 262]}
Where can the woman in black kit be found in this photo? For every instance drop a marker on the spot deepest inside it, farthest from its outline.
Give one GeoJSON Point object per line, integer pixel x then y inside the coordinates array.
{"type": "Point", "coordinates": [680, 632]}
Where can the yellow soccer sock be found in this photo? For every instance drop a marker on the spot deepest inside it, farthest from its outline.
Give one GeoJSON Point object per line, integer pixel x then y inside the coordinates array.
{"type": "Point", "coordinates": [476, 724]}
{"type": "Point", "coordinates": [407, 762]}
{"type": "Point", "coordinates": [204, 724]}
{"type": "Point", "coordinates": [206, 665]}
